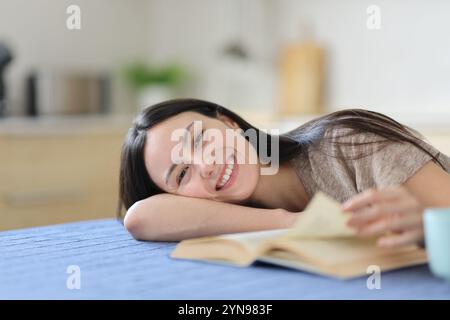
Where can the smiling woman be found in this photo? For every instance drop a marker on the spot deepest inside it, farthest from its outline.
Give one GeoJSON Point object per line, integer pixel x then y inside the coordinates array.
{"type": "Point", "coordinates": [342, 154]}
{"type": "Point", "coordinates": [198, 178]}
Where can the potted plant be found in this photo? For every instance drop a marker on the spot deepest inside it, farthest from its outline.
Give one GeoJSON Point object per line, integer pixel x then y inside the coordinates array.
{"type": "Point", "coordinates": [154, 84]}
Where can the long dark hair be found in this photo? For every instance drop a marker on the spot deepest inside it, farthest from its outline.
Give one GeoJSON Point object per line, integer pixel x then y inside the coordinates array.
{"type": "Point", "coordinates": [135, 183]}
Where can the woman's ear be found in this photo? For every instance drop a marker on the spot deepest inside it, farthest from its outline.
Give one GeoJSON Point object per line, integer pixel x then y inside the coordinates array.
{"type": "Point", "coordinates": [228, 121]}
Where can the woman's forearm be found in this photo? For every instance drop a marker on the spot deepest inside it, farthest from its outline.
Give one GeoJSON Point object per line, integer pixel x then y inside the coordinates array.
{"type": "Point", "coordinates": [167, 217]}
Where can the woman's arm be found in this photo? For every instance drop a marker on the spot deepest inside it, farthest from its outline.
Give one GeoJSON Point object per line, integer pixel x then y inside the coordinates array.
{"type": "Point", "coordinates": [167, 217]}
{"type": "Point", "coordinates": [400, 209]}
{"type": "Point", "coordinates": [430, 185]}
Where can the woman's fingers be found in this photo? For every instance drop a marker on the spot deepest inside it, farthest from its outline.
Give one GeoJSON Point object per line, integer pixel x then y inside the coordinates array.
{"type": "Point", "coordinates": [368, 214]}
{"type": "Point", "coordinates": [408, 237]}
{"type": "Point", "coordinates": [371, 196]}
{"type": "Point", "coordinates": [394, 222]}
{"type": "Point", "coordinates": [396, 209]}
{"type": "Point", "coordinates": [393, 209]}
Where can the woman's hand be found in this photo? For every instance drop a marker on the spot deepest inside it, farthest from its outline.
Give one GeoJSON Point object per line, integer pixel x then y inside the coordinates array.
{"type": "Point", "coordinates": [392, 210]}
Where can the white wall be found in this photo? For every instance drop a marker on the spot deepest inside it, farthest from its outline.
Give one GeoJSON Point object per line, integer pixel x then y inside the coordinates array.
{"type": "Point", "coordinates": [113, 32]}
{"type": "Point", "coordinates": [403, 68]}
{"type": "Point", "coordinates": [195, 32]}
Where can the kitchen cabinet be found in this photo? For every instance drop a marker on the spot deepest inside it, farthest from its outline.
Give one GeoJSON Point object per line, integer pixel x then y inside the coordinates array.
{"type": "Point", "coordinates": [57, 172]}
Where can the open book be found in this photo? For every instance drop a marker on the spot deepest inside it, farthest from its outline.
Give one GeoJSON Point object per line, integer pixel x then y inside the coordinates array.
{"type": "Point", "coordinates": [319, 242]}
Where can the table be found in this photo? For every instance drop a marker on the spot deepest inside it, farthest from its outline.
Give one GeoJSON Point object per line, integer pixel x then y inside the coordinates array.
{"type": "Point", "coordinates": [112, 265]}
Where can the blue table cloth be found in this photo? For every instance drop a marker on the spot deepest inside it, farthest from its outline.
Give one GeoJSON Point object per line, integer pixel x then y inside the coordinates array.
{"type": "Point", "coordinates": [34, 264]}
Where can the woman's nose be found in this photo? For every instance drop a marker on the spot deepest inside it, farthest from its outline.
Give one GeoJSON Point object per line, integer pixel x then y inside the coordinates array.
{"type": "Point", "coordinates": [207, 166]}
{"type": "Point", "coordinates": [206, 169]}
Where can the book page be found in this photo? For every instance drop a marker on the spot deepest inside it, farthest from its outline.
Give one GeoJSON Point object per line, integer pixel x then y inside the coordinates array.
{"type": "Point", "coordinates": [320, 241]}
{"type": "Point", "coordinates": [254, 240]}
{"type": "Point", "coordinates": [348, 269]}
{"type": "Point", "coordinates": [236, 248]}
{"type": "Point", "coordinates": [322, 218]}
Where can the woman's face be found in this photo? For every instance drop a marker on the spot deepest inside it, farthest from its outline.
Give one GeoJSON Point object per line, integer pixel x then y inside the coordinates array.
{"type": "Point", "coordinates": [222, 171]}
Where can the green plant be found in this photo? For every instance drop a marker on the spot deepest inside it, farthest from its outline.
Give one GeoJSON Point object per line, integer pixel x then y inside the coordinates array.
{"type": "Point", "coordinates": [141, 75]}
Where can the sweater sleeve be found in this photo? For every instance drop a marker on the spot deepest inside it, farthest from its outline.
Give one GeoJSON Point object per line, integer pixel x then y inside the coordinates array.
{"type": "Point", "coordinates": [388, 163]}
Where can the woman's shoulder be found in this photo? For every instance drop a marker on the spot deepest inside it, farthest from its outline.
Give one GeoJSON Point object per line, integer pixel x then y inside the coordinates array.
{"type": "Point", "coordinates": [349, 143]}
{"type": "Point", "coordinates": [374, 149]}
{"type": "Point", "coordinates": [350, 135]}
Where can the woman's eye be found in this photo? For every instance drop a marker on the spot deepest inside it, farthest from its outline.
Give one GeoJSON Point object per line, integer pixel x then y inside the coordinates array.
{"type": "Point", "coordinates": [182, 174]}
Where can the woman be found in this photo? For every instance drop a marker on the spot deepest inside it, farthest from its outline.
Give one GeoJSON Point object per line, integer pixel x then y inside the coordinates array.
{"type": "Point", "coordinates": [383, 172]}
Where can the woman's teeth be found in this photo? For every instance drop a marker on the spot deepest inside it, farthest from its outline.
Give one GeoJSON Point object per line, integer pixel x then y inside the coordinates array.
{"type": "Point", "coordinates": [226, 175]}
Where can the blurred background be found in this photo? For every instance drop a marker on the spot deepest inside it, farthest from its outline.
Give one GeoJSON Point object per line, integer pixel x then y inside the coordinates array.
{"type": "Point", "coordinates": [73, 74]}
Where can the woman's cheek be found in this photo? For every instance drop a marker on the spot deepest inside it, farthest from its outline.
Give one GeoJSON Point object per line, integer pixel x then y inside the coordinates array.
{"type": "Point", "coordinates": [247, 181]}
{"type": "Point", "coordinates": [196, 191]}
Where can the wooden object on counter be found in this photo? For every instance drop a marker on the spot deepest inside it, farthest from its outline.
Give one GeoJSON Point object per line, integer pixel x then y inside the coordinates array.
{"type": "Point", "coordinates": [302, 78]}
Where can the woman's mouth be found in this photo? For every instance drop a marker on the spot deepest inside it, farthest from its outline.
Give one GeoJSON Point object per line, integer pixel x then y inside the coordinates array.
{"type": "Point", "coordinates": [228, 175]}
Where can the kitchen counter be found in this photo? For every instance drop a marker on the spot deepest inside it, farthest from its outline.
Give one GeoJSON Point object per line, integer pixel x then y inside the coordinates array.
{"type": "Point", "coordinates": [48, 125]}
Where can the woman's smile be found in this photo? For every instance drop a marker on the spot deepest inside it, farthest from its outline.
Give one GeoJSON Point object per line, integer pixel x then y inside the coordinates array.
{"type": "Point", "coordinates": [228, 174]}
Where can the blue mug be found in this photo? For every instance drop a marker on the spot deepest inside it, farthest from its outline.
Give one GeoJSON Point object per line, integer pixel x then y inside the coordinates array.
{"type": "Point", "coordinates": [437, 240]}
